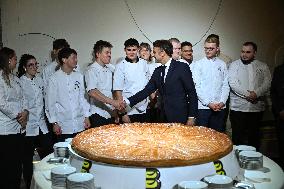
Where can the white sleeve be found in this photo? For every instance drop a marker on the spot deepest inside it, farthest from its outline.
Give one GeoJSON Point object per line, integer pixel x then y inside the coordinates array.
{"type": "Point", "coordinates": [233, 81]}
{"type": "Point", "coordinates": [25, 102]}
{"type": "Point", "coordinates": [6, 107]}
{"type": "Point", "coordinates": [198, 80]}
{"type": "Point", "coordinates": [225, 86]}
{"type": "Point", "coordinates": [51, 94]}
{"type": "Point", "coordinates": [91, 79]}
{"type": "Point", "coordinates": [118, 77]}
{"type": "Point", "coordinates": [265, 85]}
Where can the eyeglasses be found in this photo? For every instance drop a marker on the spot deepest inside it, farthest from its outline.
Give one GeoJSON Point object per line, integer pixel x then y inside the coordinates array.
{"type": "Point", "coordinates": [209, 48]}
{"type": "Point", "coordinates": [32, 65]}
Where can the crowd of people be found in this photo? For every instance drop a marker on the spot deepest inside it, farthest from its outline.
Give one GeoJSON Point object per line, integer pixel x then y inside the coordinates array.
{"type": "Point", "coordinates": [163, 84]}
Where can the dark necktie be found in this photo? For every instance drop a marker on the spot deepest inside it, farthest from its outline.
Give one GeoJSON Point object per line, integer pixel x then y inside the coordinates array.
{"type": "Point", "coordinates": [163, 68]}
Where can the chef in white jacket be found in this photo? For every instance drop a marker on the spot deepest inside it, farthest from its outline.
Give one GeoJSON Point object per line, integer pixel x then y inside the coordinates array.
{"type": "Point", "coordinates": [36, 135]}
{"type": "Point", "coordinates": [249, 80]}
{"type": "Point", "coordinates": [67, 108]}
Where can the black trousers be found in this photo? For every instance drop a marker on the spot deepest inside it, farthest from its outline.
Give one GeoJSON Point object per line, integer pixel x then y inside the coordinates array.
{"type": "Point", "coordinates": [10, 161]}
{"type": "Point", "coordinates": [280, 135]}
{"type": "Point", "coordinates": [246, 128]}
{"type": "Point", "coordinates": [44, 143]}
{"type": "Point", "coordinates": [97, 120]}
{"type": "Point", "coordinates": [139, 118]}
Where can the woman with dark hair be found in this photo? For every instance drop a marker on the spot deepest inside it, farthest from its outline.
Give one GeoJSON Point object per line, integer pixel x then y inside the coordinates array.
{"type": "Point", "coordinates": [13, 119]}
{"type": "Point", "coordinates": [37, 135]}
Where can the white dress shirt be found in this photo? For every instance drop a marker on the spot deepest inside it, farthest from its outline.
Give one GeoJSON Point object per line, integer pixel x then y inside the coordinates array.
{"type": "Point", "coordinates": [33, 92]}
{"type": "Point", "coordinates": [131, 78]}
{"type": "Point", "coordinates": [12, 102]}
{"type": "Point", "coordinates": [211, 81]}
{"type": "Point", "coordinates": [100, 77]}
{"type": "Point", "coordinates": [253, 77]}
{"type": "Point", "coordinates": [152, 66]}
{"type": "Point", "coordinates": [66, 102]}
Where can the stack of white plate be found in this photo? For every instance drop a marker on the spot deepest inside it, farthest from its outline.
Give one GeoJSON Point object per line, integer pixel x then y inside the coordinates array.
{"type": "Point", "coordinates": [80, 181]}
{"type": "Point", "coordinates": [218, 181]}
{"type": "Point", "coordinates": [61, 149]}
{"type": "Point", "coordinates": [240, 148]}
{"type": "Point", "coordinates": [250, 160]}
{"type": "Point", "coordinates": [59, 175]}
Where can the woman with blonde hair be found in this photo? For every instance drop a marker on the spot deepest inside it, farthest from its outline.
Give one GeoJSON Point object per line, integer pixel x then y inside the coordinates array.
{"type": "Point", "coordinates": [13, 120]}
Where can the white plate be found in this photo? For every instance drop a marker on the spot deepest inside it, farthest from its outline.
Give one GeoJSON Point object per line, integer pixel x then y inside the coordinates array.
{"type": "Point", "coordinates": [63, 170]}
{"type": "Point", "coordinates": [192, 185]}
{"type": "Point", "coordinates": [80, 177]}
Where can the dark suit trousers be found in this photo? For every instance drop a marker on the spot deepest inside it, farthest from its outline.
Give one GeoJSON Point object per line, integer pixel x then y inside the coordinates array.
{"type": "Point", "coordinates": [246, 128]}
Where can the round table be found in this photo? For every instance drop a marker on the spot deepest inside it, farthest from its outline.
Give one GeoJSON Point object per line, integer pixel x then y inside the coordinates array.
{"type": "Point", "coordinates": [41, 176]}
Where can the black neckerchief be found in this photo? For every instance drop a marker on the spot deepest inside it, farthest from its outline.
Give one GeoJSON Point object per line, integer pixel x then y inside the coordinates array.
{"type": "Point", "coordinates": [128, 60]}
{"type": "Point", "coordinates": [246, 62]}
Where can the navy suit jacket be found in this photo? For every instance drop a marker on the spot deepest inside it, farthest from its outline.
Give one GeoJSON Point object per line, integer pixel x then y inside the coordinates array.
{"type": "Point", "coordinates": [178, 95]}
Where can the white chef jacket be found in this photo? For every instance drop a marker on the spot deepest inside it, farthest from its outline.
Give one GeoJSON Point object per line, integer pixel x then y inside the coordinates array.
{"type": "Point", "coordinates": [66, 101]}
{"type": "Point", "coordinates": [131, 78]}
{"type": "Point", "coordinates": [211, 81]}
{"type": "Point", "coordinates": [12, 102]}
{"type": "Point", "coordinates": [33, 92]}
{"type": "Point", "coordinates": [152, 66]}
{"type": "Point", "coordinates": [100, 77]}
{"type": "Point", "coordinates": [49, 69]}
{"type": "Point", "coordinates": [253, 77]}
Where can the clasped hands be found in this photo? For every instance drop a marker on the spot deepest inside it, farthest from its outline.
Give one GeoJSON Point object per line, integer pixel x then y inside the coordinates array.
{"type": "Point", "coordinates": [252, 97]}
{"type": "Point", "coordinates": [216, 106]}
{"type": "Point", "coordinates": [120, 105]}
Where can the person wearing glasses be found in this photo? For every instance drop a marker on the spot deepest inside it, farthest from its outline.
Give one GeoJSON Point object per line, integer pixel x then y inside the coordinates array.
{"type": "Point", "coordinates": [36, 135]}
{"type": "Point", "coordinates": [130, 76]}
{"type": "Point", "coordinates": [210, 76]}
{"type": "Point", "coordinates": [13, 120]}
{"type": "Point", "coordinates": [249, 80]}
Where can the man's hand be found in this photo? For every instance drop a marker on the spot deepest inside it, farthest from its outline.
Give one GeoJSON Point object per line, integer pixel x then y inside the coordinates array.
{"type": "Point", "coordinates": [87, 123]}
{"type": "Point", "coordinates": [126, 119]}
{"type": "Point", "coordinates": [119, 104]}
{"type": "Point", "coordinates": [252, 97]}
{"type": "Point", "coordinates": [56, 129]}
{"type": "Point", "coordinates": [190, 121]}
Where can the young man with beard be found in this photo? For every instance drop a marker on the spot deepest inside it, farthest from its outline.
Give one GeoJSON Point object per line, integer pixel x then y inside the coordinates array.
{"type": "Point", "coordinates": [186, 52]}
{"type": "Point", "coordinates": [249, 80]}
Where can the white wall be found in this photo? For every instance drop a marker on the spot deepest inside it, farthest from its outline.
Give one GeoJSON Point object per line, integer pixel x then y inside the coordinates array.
{"type": "Point", "coordinates": [83, 22]}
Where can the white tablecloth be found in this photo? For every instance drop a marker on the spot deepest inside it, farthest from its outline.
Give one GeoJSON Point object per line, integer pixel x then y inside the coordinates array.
{"type": "Point", "coordinates": [42, 171]}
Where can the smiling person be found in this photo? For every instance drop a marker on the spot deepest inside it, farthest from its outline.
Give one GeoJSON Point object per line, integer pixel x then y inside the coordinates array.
{"type": "Point", "coordinates": [186, 52]}
{"type": "Point", "coordinates": [99, 79]}
{"type": "Point", "coordinates": [37, 135]}
{"type": "Point", "coordinates": [210, 76]}
{"type": "Point", "coordinates": [249, 80]}
{"type": "Point", "coordinates": [67, 108]}
{"type": "Point", "coordinates": [130, 76]}
{"type": "Point", "coordinates": [13, 119]}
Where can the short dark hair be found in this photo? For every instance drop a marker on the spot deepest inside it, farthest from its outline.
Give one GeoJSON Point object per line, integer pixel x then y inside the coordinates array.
{"type": "Point", "coordinates": [249, 43]}
{"type": "Point", "coordinates": [186, 43]}
{"type": "Point", "coordinates": [173, 39]}
{"type": "Point", "coordinates": [23, 63]}
{"type": "Point", "coordinates": [65, 53]}
{"type": "Point", "coordinates": [131, 42]}
{"type": "Point", "coordinates": [60, 43]}
{"type": "Point", "coordinates": [99, 45]}
{"type": "Point", "coordinates": [164, 45]}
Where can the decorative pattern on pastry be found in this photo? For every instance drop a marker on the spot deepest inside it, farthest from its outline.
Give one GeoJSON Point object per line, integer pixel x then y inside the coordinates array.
{"type": "Point", "coordinates": [152, 144]}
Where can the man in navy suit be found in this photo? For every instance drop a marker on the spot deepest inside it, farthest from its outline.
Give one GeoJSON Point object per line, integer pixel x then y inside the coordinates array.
{"type": "Point", "coordinates": [174, 82]}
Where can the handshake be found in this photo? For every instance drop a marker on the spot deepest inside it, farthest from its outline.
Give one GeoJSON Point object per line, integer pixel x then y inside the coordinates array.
{"type": "Point", "coordinates": [119, 105]}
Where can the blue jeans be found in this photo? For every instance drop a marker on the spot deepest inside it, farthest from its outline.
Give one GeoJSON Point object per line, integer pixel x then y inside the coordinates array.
{"type": "Point", "coordinates": [211, 119]}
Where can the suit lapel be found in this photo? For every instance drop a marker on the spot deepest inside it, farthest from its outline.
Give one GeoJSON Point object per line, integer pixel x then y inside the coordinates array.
{"type": "Point", "coordinates": [170, 71]}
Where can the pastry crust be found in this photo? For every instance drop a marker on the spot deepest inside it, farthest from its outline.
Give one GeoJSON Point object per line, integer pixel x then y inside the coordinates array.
{"type": "Point", "coordinates": [152, 144]}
